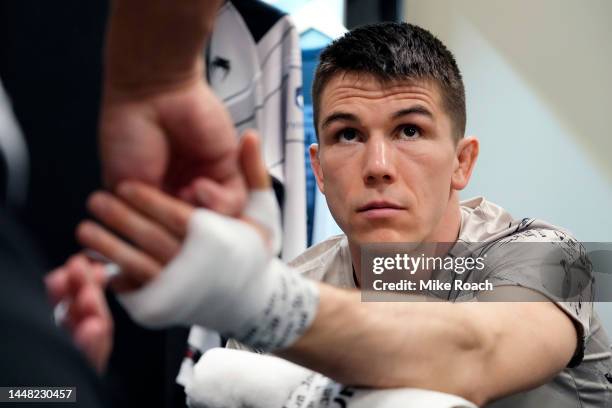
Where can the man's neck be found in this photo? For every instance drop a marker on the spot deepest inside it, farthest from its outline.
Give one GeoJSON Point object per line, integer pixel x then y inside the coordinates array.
{"type": "Point", "coordinates": [447, 231]}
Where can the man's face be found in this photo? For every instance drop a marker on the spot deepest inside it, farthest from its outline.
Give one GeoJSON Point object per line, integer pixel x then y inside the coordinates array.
{"type": "Point", "coordinates": [385, 159]}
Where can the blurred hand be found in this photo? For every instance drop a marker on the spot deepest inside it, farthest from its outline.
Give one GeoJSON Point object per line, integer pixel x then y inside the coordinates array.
{"type": "Point", "coordinates": [171, 137]}
{"type": "Point", "coordinates": [154, 223]}
{"type": "Point", "coordinates": [79, 283]}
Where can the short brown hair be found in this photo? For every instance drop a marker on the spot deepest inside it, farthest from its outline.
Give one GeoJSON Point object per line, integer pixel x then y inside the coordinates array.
{"type": "Point", "coordinates": [394, 51]}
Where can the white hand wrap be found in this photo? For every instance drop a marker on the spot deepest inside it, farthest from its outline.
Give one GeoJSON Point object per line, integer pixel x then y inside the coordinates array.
{"type": "Point", "coordinates": [224, 279]}
{"type": "Point", "coordinates": [226, 378]}
{"type": "Point", "coordinates": [234, 378]}
{"type": "Point", "coordinates": [263, 208]}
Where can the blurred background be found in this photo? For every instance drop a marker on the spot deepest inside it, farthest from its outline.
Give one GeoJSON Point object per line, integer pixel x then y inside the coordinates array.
{"type": "Point", "coordinates": [538, 84]}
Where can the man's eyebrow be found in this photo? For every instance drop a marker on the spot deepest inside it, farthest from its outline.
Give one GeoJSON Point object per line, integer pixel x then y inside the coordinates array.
{"type": "Point", "coordinates": [349, 117]}
{"type": "Point", "coordinates": [417, 109]}
{"type": "Point", "coordinates": [338, 116]}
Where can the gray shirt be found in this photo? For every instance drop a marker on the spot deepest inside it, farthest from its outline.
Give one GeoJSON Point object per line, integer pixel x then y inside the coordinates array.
{"type": "Point", "coordinates": [587, 380]}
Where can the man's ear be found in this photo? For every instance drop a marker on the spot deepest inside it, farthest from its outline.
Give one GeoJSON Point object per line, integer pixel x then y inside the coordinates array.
{"type": "Point", "coordinates": [316, 166]}
{"type": "Point", "coordinates": [465, 159]}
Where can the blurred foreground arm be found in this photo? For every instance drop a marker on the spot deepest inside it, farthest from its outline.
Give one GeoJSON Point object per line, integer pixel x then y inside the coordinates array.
{"type": "Point", "coordinates": [160, 122]}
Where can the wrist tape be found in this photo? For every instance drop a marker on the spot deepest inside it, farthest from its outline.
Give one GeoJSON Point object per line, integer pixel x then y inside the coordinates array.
{"type": "Point", "coordinates": [223, 278]}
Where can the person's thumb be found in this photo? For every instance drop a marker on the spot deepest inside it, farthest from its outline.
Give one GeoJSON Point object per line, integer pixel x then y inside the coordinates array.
{"type": "Point", "coordinates": [252, 163]}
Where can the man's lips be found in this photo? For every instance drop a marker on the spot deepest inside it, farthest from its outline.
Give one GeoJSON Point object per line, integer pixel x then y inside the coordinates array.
{"type": "Point", "coordinates": [380, 209]}
{"type": "Point", "coordinates": [380, 205]}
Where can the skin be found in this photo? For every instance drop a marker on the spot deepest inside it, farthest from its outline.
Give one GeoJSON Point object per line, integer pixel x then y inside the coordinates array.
{"type": "Point", "coordinates": [480, 351]}
{"type": "Point", "coordinates": [390, 143]}
{"type": "Point", "coordinates": [80, 282]}
{"type": "Point", "coordinates": [160, 122]}
{"type": "Point", "coordinates": [154, 222]}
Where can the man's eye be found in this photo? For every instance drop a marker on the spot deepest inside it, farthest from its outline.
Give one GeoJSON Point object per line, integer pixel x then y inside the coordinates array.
{"type": "Point", "coordinates": [346, 135]}
{"type": "Point", "coordinates": [410, 132]}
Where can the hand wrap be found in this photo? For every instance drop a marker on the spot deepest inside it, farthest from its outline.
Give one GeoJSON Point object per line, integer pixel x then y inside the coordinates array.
{"type": "Point", "coordinates": [224, 278]}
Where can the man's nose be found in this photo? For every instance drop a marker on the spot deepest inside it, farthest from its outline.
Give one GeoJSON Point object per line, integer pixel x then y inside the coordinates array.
{"type": "Point", "coordinates": [378, 161]}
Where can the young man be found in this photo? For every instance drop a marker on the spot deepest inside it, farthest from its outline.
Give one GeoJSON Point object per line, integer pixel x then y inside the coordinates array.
{"type": "Point", "coordinates": [391, 160]}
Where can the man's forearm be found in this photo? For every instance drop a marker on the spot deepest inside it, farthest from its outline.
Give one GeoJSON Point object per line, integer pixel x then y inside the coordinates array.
{"type": "Point", "coordinates": [152, 44]}
{"type": "Point", "coordinates": [383, 345]}
{"type": "Point", "coordinates": [477, 350]}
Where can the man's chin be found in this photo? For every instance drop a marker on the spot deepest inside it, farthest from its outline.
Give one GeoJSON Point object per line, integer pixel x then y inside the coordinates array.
{"type": "Point", "coordinates": [384, 236]}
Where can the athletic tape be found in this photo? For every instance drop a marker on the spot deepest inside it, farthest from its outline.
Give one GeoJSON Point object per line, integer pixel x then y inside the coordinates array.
{"type": "Point", "coordinates": [215, 264]}
{"type": "Point", "coordinates": [223, 279]}
{"type": "Point", "coordinates": [263, 208]}
{"type": "Point", "coordinates": [233, 378]}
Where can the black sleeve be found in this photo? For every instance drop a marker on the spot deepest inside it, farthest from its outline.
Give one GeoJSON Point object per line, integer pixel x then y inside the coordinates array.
{"type": "Point", "coordinates": [34, 352]}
